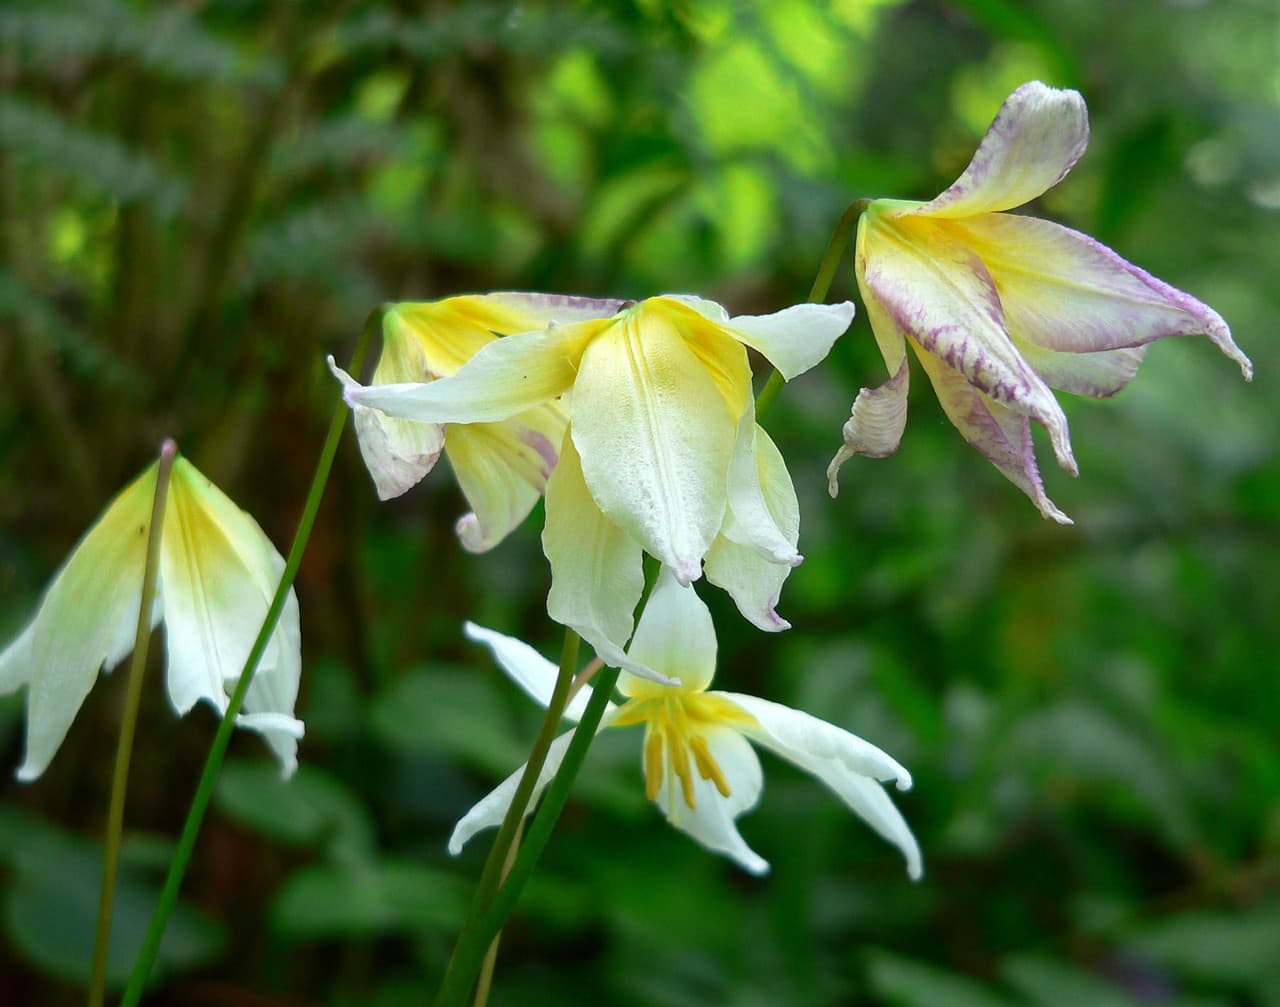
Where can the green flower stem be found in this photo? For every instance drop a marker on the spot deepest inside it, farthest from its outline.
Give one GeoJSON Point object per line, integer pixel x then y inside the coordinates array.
{"type": "Point", "coordinates": [128, 727]}
{"type": "Point", "coordinates": [213, 763]}
{"type": "Point", "coordinates": [821, 287]}
{"type": "Point", "coordinates": [473, 944]}
{"type": "Point", "coordinates": [458, 974]}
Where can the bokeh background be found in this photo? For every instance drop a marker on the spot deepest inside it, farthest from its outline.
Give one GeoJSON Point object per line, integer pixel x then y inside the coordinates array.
{"type": "Point", "coordinates": [199, 200]}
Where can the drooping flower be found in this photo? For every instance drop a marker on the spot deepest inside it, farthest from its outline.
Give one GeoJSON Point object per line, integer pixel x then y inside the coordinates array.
{"type": "Point", "coordinates": [501, 466]}
{"type": "Point", "coordinates": [662, 452]}
{"type": "Point", "coordinates": [1000, 308]}
{"type": "Point", "coordinates": [217, 574]}
{"type": "Point", "coordinates": [697, 763]}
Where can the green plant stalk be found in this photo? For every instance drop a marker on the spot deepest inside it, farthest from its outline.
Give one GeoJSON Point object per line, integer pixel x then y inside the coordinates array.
{"type": "Point", "coordinates": [213, 763]}
{"type": "Point", "coordinates": [128, 727]}
{"type": "Point", "coordinates": [821, 287]}
{"type": "Point", "coordinates": [473, 944]}
{"type": "Point", "coordinates": [491, 875]}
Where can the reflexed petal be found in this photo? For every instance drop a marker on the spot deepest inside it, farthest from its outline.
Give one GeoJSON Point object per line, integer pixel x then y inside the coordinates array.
{"type": "Point", "coordinates": [491, 809]}
{"type": "Point", "coordinates": [1064, 291]}
{"type": "Point", "coordinates": [508, 376]}
{"type": "Point", "coordinates": [938, 292]}
{"type": "Point", "coordinates": [503, 469]}
{"type": "Point", "coordinates": [844, 762]}
{"type": "Point", "coordinates": [711, 823]}
{"type": "Point", "coordinates": [529, 669]}
{"type": "Point", "coordinates": [675, 637]}
{"type": "Point", "coordinates": [655, 439]}
{"type": "Point", "coordinates": [1036, 137]}
{"type": "Point", "coordinates": [86, 622]}
{"type": "Point", "coordinates": [397, 453]}
{"type": "Point", "coordinates": [218, 573]}
{"type": "Point", "coordinates": [597, 575]}
{"type": "Point", "coordinates": [875, 424]}
{"type": "Point", "coordinates": [1002, 435]}
{"type": "Point", "coordinates": [756, 469]}
{"type": "Point", "coordinates": [796, 338]}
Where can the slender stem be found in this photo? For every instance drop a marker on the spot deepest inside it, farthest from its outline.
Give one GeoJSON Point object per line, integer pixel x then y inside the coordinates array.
{"type": "Point", "coordinates": [128, 726]}
{"type": "Point", "coordinates": [491, 875]}
{"type": "Point", "coordinates": [217, 751]}
{"type": "Point", "coordinates": [821, 287]}
{"type": "Point", "coordinates": [485, 982]}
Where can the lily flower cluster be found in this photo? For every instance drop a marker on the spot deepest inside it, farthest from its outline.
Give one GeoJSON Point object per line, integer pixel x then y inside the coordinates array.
{"type": "Point", "coordinates": [636, 421]}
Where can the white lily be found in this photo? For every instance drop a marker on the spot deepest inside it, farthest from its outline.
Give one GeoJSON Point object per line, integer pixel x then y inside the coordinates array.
{"type": "Point", "coordinates": [501, 466]}
{"type": "Point", "coordinates": [217, 574]}
{"type": "Point", "coordinates": [1000, 308]}
{"type": "Point", "coordinates": [698, 766]}
{"type": "Point", "coordinates": [662, 453]}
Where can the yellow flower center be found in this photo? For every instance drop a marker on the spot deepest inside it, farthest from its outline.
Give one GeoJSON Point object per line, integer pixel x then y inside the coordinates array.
{"type": "Point", "coordinates": [675, 740]}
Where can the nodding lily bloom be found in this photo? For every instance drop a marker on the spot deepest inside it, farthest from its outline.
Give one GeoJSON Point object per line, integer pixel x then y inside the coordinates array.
{"type": "Point", "coordinates": [1000, 308]}
{"type": "Point", "coordinates": [216, 576]}
{"type": "Point", "coordinates": [662, 452]}
{"type": "Point", "coordinates": [699, 768]}
{"type": "Point", "coordinates": [501, 466]}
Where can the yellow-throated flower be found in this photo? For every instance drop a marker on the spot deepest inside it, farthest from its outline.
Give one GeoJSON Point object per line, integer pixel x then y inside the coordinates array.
{"type": "Point", "coordinates": [501, 466]}
{"type": "Point", "coordinates": [662, 452]}
{"type": "Point", "coordinates": [1000, 308]}
{"type": "Point", "coordinates": [698, 766]}
{"type": "Point", "coordinates": [217, 574]}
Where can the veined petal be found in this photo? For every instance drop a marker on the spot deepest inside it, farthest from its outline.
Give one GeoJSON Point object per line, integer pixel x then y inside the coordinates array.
{"type": "Point", "coordinates": [711, 821]}
{"type": "Point", "coordinates": [597, 575]}
{"type": "Point", "coordinates": [1002, 435]}
{"type": "Point", "coordinates": [506, 377]}
{"type": "Point", "coordinates": [218, 573]}
{"type": "Point", "coordinates": [86, 622]}
{"type": "Point", "coordinates": [1037, 136]}
{"type": "Point", "coordinates": [503, 468]}
{"type": "Point", "coordinates": [939, 293]}
{"type": "Point", "coordinates": [1065, 291]}
{"type": "Point", "coordinates": [675, 637]}
{"type": "Point", "coordinates": [796, 338]}
{"type": "Point", "coordinates": [529, 669]}
{"type": "Point", "coordinates": [397, 453]}
{"type": "Point", "coordinates": [846, 763]}
{"type": "Point", "coordinates": [655, 439]}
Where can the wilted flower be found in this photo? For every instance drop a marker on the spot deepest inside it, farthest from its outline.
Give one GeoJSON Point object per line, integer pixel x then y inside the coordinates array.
{"type": "Point", "coordinates": [502, 466]}
{"type": "Point", "coordinates": [217, 574]}
{"type": "Point", "coordinates": [1000, 308]}
{"type": "Point", "coordinates": [662, 453]}
{"type": "Point", "coordinates": [698, 766]}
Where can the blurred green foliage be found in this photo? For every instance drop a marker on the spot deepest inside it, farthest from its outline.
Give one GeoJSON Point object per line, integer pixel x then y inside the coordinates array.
{"type": "Point", "coordinates": [198, 201]}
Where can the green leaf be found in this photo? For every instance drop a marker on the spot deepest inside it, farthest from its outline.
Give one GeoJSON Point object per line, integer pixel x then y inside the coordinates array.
{"type": "Point", "coordinates": [1234, 949]}
{"type": "Point", "coordinates": [903, 982]}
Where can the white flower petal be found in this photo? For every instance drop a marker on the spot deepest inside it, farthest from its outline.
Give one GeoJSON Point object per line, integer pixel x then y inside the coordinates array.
{"type": "Point", "coordinates": [675, 636]}
{"type": "Point", "coordinates": [218, 573]}
{"type": "Point", "coordinates": [846, 763]}
{"type": "Point", "coordinates": [529, 669]}
{"type": "Point", "coordinates": [1098, 375]}
{"type": "Point", "coordinates": [655, 437]}
{"type": "Point", "coordinates": [711, 823]}
{"type": "Point", "coordinates": [757, 468]}
{"type": "Point", "coordinates": [597, 576]}
{"type": "Point", "coordinates": [709, 310]}
{"type": "Point", "coordinates": [939, 293]}
{"type": "Point", "coordinates": [796, 338]}
{"type": "Point", "coordinates": [1036, 137]}
{"type": "Point", "coordinates": [1065, 291]}
{"type": "Point", "coordinates": [86, 620]}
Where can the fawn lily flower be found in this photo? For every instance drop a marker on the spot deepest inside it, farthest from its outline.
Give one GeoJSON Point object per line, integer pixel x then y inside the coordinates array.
{"type": "Point", "coordinates": [217, 574]}
{"type": "Point", "coordinates": [1000, 308]}
{"type": "Point", "coordinates": [662, 453]}
{"type": "Point", "coordinates": [698, 766]}
{"type": "Point", "coordinates": [501, 466]}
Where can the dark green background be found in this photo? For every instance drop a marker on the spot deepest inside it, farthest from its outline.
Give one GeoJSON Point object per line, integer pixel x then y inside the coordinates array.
{"type": "Point", "coordinates": [199, 201]}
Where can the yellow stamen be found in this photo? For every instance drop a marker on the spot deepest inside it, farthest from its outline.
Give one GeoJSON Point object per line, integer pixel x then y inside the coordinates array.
{"type": "Point", "coordinates": [708, 768]}
{"type": "Point", "coordinates": [678, 753]}
{"type": "Point", "coordinates": [652, 761]}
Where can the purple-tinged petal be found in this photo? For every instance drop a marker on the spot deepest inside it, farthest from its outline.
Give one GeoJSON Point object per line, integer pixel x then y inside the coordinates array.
{"type": "Point", "coordinates": [1001, 434]}
{"type": "Point", "coordinates": [939, 293]}
{"type": "Point", "coordinates": [1034, 140]}
{"type": "Point", "coordinates": [543, 309]}
{"type": "Point", "coordinates": [875, 424]}
{"type": "Point", "coordinates": [1065, 291]}
{"type": "Point", "coordinates": [1099, 375]}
